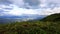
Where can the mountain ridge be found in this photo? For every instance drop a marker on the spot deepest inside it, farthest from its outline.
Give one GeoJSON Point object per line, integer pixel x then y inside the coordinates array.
{"type": "Point", "coordinates": [54, 17]}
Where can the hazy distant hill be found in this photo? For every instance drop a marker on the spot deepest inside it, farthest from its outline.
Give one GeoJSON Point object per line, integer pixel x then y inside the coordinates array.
{"type": "Point", "coordinates": [4, 19]}
{"type": "Point", "coordinates": [53, 17]}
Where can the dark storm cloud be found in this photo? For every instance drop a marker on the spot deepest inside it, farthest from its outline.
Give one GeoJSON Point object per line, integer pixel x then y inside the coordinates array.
{"type": "Point", "coordinates": [2, 11]}
{"type": "Point", "coordinates": [8, 8]}
{"type": "Point", "coordinates": [32, 2]}
{"type": "Point", "coordinates": [6, 2]}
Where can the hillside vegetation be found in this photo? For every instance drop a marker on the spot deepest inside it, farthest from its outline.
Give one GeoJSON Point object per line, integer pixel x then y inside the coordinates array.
{"type": "Point", "coordinates": [33, 27]}
{"type": "Point", "coordinates": [53, 17]}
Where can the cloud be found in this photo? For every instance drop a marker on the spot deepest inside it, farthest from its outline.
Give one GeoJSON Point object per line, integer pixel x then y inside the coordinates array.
{"type": "Point", "coordinates": [50, 3]}
{"type": "Point", "coordinates": [40, 7]}
{"type": "Point", "coordinates": [53, 1]}
{"type": "Point", "coordinates": [29, 4]}
{"type": "Point", "coordinates": [16, 11]}
{"type": "Point", "coordinates": [5, 2]}
{"type": "Point", "coordinates": [4, 9]}
{"type": "Point", "coordinates": [35, 4]}
{"type": "Point", "coordinates": [48, 11]}
{"type": "Point", "coordinates": [32, 2]}
{"type": "Point", "coordinates": [19, 3]}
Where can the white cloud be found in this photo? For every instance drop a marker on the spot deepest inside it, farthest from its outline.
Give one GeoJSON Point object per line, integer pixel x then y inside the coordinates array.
{"type": "Point", "coordinates": [16, 11]}
{"type": "Point", "coordinates": [48, 11]}
{"type": "Point", "coordinates": [19, 11]}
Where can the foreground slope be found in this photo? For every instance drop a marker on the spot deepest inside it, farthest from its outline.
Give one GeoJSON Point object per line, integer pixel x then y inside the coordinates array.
{"type": "Point", "coordinates": [53, 17]}
{"type": "Point", "coordinates": [32, 27]}
{"type": "Point", "coordinates": [35, 27]}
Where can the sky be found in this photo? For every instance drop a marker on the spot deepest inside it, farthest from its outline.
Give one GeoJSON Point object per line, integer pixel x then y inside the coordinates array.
{"type": "Point", "coordinates": [20, 7]}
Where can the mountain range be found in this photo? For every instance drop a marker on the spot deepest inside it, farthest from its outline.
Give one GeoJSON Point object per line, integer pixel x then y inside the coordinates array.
{"type": "Point", "coordinates": [24, 17]}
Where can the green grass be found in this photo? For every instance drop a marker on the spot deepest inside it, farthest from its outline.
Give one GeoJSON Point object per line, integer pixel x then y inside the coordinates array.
{"type": "Point", "coordinates": [53, 17]}
{"type": "Point", "coordinates": [34, 27]}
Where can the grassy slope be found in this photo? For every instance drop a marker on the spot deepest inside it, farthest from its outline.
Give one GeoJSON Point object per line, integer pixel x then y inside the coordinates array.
{"type": "Point", "coordinates": [53, 17]}
{"type": "Point", "coordinates": [31, 27]}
